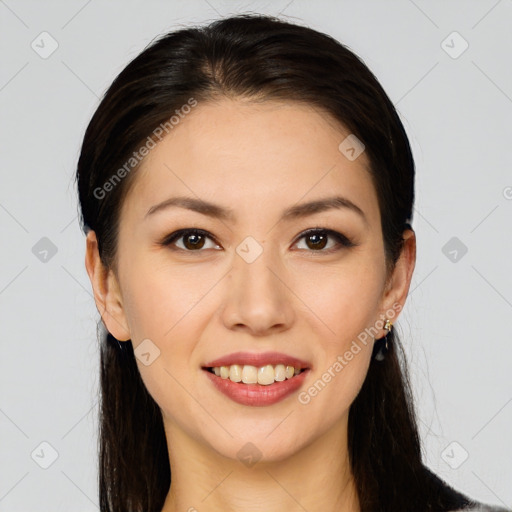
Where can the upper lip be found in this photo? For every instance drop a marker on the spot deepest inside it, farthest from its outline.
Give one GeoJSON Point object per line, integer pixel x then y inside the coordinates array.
{"type": "Point", "coordinates": [260, 359]}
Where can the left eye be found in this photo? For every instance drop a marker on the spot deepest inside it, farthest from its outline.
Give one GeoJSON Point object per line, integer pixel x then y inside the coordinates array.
{"type": "Point", "coordinates": [316, 239]}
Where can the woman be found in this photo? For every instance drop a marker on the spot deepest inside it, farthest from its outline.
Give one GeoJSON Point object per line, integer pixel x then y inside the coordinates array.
{"type": "Point", "coordinates": [247, 189]}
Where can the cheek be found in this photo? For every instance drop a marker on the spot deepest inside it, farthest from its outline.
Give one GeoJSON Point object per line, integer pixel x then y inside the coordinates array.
{"type": "Point", "coordinates": [165, 306]}
{"type": "Point", "coordinates": [345, 298]}
{"type": "Point", "coordinates": [159, 297]}
{"type": "Point", "coordinates": [345, 301]}
{"type": "Point", "coordinates": [335, 384]}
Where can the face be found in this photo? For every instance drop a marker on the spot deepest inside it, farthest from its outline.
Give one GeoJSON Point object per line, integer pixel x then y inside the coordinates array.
{"type": "Point", "coordinates": [266, 275]}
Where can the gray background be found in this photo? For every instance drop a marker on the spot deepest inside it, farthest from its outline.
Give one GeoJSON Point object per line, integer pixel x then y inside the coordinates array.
{"type": "Point", "coordinates": [457, 109]}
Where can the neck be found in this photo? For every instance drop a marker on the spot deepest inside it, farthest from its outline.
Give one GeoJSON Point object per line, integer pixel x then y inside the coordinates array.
{"type": "Point", "coordinates": [318, 477]}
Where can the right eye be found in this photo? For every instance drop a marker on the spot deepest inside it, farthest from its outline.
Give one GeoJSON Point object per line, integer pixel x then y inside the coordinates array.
{"type": "Point", "coordinates": [193, 240]}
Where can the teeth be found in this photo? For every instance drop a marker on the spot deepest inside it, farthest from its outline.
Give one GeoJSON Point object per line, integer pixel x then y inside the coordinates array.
{"type": "Point", "coordinates": [280, 373]}
{"type": "Point", "coordinates": [235, 373]}
{"type": "Point", "coordinates": [264, 375]}
{"type": "Point", "coordinates": [249, 374]}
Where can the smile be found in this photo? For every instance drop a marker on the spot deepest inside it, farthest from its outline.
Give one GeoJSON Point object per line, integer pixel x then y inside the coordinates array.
{"type": "Point", "coordinates": [248, 374]}
{"type": "Point", "coordinates": [256, 394]}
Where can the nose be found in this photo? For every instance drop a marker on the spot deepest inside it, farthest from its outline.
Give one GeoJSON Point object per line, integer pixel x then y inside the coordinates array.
{"type": "Point", "coordinates": [258, 300]}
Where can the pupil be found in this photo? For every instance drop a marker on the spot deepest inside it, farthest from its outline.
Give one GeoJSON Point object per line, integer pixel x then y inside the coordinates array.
{"type": "Point", "coordinates": [196, 241]}
{"type": "Point", "coordinates": [318, 240]}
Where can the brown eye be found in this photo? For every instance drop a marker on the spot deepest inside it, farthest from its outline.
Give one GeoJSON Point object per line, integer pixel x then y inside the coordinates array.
{"type": "Point", "coordinates": [189, 240]}
{"type": "Point", "coordinates": [316, 240]}
{"type": "Point", "coordinates": [193, 241]}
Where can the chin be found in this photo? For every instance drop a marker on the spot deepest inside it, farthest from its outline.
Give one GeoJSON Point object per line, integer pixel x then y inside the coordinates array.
{"type": "Point", "coordinates": [259, 447]}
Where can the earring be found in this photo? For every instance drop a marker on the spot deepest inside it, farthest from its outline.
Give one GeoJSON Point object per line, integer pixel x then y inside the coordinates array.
{"type": "Point", "coordinates": [381, 347]}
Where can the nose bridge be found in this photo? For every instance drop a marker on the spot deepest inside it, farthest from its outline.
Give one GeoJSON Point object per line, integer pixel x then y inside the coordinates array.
{"type": "Point", "coordinates": [257, 298]}
{"type": "Point", "coordinates": [256, 275]}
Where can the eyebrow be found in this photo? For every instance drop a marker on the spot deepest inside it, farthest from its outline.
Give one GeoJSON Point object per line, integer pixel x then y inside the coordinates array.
{"type": "Point", "coordinates": [294, 212]}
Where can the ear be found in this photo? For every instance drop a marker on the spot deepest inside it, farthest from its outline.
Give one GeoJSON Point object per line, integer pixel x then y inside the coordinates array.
{"type": "Point", "coordinates": [107, 294]}
{"type": "Point", "coordinates": [398, 283]}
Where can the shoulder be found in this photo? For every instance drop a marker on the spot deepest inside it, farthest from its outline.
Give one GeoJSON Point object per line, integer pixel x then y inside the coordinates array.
{"type": "Point", "coordinates": [475, 506]}
{"type": "Point", "coordinates": [455, 501]}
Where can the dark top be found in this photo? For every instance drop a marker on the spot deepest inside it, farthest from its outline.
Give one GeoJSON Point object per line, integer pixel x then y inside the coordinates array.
{"type": "Point", "coordinates": [461, 502]}
{"type": "Point", "coordinates": [482, 507]}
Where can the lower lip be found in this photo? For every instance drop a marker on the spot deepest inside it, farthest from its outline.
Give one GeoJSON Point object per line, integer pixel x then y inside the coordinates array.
{"type": "Point", "coordinates": [257, 395]}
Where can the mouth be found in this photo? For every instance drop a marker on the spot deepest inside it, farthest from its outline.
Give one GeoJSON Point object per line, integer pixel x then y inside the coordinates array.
{"type": "Point", "coordinates": [265, 375]}
{"type": "Point", "coordinates": [256, 386]}
{"type": "Point", "coordinates": [257, 379]}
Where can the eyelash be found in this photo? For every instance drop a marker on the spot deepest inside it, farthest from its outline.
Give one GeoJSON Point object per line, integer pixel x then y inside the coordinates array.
{"type": "Point", "coordinates": [342, 240]}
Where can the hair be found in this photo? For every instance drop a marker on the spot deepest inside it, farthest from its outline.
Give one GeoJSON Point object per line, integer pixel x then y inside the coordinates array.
{"type": "Point", "coordinates": [256, 58]}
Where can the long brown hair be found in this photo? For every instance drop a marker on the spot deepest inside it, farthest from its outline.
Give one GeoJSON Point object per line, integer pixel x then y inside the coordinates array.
{"type": "Point", "coordinates": [260, 58]}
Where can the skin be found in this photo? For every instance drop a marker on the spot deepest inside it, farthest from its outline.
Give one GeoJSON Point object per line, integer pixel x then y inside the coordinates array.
{"type": "Point", "coordinates": [195, 306]}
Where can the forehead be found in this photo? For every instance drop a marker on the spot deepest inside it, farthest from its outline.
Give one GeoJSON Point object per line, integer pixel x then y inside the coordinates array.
{"type": "Point", "coordinates": [249, 156]}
